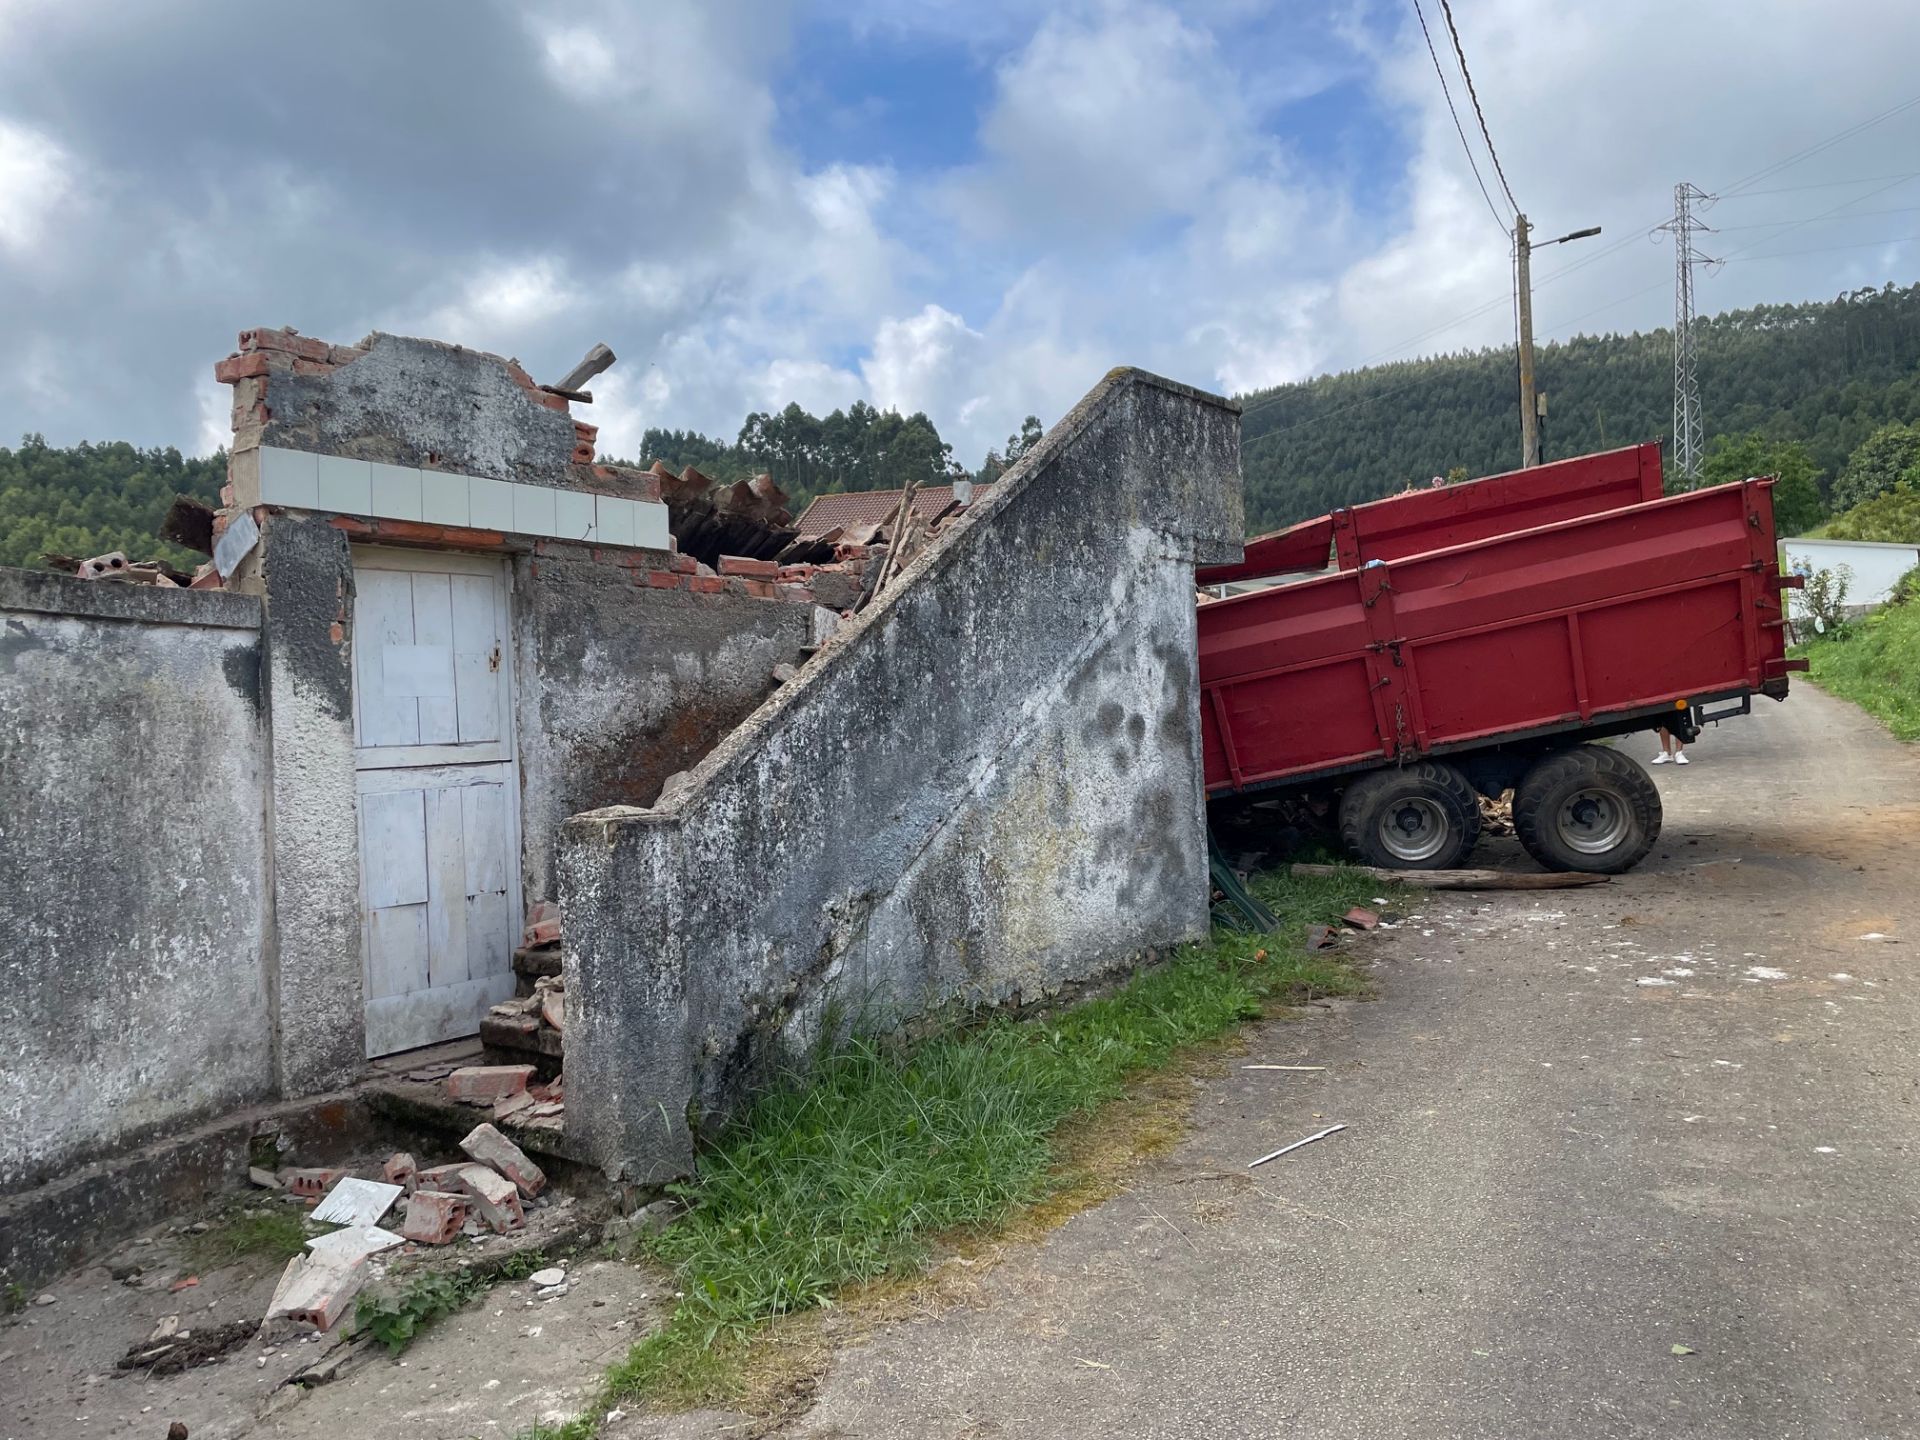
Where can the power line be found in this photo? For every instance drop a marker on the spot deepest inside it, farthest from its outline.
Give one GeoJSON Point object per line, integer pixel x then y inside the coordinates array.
{"type": "Point", "coordinates": [1851, 215]}
{"type": "Point", "coordinates": [1459, 129]}
{"type": "Point", "coordinates": [1822, 250]}
{"type": "Point", "coordinates": [1819, 185]}
{"type": "Point", "coordinates": [1446, 8]}
{"type": "Point", "coordinates": [1827, 144]}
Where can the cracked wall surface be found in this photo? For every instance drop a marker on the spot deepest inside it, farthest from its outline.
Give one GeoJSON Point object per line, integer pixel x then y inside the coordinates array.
{"type": "Point", "coordinates": [985, 791]}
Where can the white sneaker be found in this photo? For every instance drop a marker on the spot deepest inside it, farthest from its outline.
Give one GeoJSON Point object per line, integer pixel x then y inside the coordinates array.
{"type": "Point", "coordinates": [1661, 758]}
{"type": "Point", "coordinates": [1681, 759]}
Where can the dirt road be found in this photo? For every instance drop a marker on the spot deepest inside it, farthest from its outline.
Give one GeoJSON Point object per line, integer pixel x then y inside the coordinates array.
{"type": "Point", "coordinates": [1584, 1128]}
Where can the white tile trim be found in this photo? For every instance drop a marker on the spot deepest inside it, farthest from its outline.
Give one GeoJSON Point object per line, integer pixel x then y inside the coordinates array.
{"type": "Point", "coordinates": [303, 480]}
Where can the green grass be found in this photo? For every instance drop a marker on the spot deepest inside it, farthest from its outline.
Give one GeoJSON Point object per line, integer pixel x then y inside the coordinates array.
{"type": "Point", "coordinates": [855, 1174]}
{"type": "Point", "coordinates": [395, 1317]}
{"type": "Point", "coordinates": [1875, 663]}
{"type": "Point", "coordinates": [265, 1234]}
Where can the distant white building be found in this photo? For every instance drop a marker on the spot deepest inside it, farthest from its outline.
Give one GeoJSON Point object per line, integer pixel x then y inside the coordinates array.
{"type": "Point", "coordinates": [1875, 568]}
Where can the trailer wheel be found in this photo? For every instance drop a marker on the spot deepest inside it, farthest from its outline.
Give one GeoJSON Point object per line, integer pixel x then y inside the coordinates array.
{"type": "Point", "coordinates": [1418, 817]}
{"type": "Point", "coordinates": [1587, 808]}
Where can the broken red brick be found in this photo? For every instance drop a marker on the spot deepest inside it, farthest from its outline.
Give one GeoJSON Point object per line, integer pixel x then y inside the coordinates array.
{"type": "Point", "coordinates": [798, 593]}
{"type": "Point", "coordinates": [439, 1177]}
{"type": "Point", "coordinates": [741, 565]}
{"type": "Point", "coordinates": [399, 1169]}
{"type": "Point", "coordinates": [511, 1106]}
{"type": "Point", "coordinates": [312, 367]}
{"type": "Point", "coordinates": [434, 1217]}
{"type": "Point", "coordinates": [312, 1182]}
{"type": "Point", "coordinates": [1320, 937]}
{"type": "Point", "coordinates": [288, 342]}
{"type": "Point", "coordinates": [584, 432]}
{"type": "Point", "coordinates": [685, 565]}
{"type": "Point", "coordinates": [495, 1198]}
{"type": "Point", "coordinates": [239, 367]}
{"type": "Point", "coordinates": [1361, 918]}
{"type": "Point", "coordinates": [661, 579]}
{"type": "Point", "coordinates": [706, 584]}
{"type": "Point", "coordinates": [488, 1083]}
{"type": "Point", "coordinates": [490, 1147]}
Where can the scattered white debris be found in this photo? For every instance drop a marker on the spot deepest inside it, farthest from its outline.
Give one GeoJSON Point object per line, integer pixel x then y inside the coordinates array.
{"type": "Point", "coordinates": [1689, 1119]}
{"type": "Point", "coordinates": [1876, 935]}
{"type": "Point", "coordinates": [1732, 1064]}
{"type": "Point", "coordinates": [1765, 972]}
{"type": "Point", "coordinates": [1825, 1150]}
{"type": "Point", "coordinates": [1840, 975]}
{"type": "Point", "coordinates": [541, 1279]}
{"type": "Point", "coordinates": [1679, 972]}
{"type": "Point", "coordinates": [1652, 980]}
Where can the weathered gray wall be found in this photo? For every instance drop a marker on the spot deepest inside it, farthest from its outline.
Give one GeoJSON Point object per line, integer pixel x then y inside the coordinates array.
{"type": "Point", "coordinates": [305, 573]}
{"type": "Point", "coordinates": [133, 981]}
{"type": "Point", "coordinates": [988, 789]}
{"type": "Point", "coordinates": [622, 685]}
{"type": "Point", "coordinates": [422, 402]}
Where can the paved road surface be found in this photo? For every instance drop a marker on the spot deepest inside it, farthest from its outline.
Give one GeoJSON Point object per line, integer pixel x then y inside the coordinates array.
{"type": "Point", "coordinates": [1585, 1127]}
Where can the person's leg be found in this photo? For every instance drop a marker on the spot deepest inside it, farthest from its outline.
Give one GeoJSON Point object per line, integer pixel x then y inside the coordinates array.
{"type": "Point", "coordinates": [1666, 746]}
{"type": "Point", "coordinates": [1680, 752]}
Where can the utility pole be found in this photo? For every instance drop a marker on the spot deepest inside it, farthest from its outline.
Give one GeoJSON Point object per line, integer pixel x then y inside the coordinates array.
{"type": "Point", "coordinates": [1689, 427]}
{"type": "Point", "coordinates": [1531, 403]}
{"type": "Point", "coordinates": [1523, 285]}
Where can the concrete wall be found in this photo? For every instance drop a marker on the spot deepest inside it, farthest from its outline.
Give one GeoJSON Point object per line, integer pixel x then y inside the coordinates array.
{"type": "Point", "coordinates": [986, 790]}
{"type": "Point", "coordinates": [622, 685]}
{"type": "Point", "coordinates": [1875, 568]}
{"type": "Point", "coordinates": [133, 981]}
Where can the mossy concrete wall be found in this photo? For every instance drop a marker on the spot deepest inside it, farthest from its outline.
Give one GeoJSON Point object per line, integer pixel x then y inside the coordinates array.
{"type": "Point", "coordinates": [985, 790]}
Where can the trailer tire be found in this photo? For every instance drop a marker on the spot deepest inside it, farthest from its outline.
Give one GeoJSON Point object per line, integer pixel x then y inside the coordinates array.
{"type": "Point", "coordinates": [1589, 809]}
{"type": "Point", "coordinates": [1423, 816]}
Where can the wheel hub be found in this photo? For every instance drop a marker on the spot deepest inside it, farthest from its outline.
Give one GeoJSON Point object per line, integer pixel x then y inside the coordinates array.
{"type": "Point", "coordinates": [1593, 821]}
{"type": "Point", "coordinates": [1414, 829]}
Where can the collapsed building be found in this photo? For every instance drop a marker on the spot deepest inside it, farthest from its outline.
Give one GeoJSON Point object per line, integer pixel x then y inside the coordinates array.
{"type": "Point", "coordinates": [466, 732]}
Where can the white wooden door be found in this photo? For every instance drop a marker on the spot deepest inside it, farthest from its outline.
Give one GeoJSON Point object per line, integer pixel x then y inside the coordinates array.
{"type": "Point", "coordinates": [438, 793]}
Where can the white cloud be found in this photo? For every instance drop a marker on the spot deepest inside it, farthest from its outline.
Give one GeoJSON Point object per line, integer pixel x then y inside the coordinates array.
{"type": "Point", "coordinates": [1138, 186]}
{"type": "Point", "coordinates": [34, 183]}
{"type": "Point", "coordinates": [501, 303]}
{"type": "Point", "coordinates": [1110, 120]}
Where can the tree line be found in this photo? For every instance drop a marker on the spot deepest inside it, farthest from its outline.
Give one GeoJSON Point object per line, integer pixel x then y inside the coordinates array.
{"type": "Point", "coordinates": [1823, 376]}
{"type": "Point", "coordinates": [1824, 394]}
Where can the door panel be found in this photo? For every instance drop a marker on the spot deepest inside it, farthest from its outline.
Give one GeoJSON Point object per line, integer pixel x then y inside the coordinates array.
{"type": "Point", "coordinates": [438, 794]}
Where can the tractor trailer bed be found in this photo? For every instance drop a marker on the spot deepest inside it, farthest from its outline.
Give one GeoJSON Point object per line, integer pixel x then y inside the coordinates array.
{"type": "Point", "coordinates": [1479, 637]}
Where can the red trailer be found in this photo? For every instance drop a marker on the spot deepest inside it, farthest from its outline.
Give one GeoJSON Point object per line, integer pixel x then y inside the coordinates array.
{"type": "Point", "coordinates": [1476, 638]}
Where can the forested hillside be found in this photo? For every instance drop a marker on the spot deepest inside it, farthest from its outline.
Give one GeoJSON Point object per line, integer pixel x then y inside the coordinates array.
{"type": "Point", "coordinates": [88, 499]}
{"type": "Point", "coordinates": [1793, 388]}
{"type": "Point", "coordinates": [1826, 374]}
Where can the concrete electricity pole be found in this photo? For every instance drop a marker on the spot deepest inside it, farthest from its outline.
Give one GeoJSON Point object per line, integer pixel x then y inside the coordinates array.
{"type": "Point", "coordinates": [1530, 402]}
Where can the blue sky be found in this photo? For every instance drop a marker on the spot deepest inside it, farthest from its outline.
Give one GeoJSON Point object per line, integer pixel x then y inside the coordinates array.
{"type": "Point", "coordinates": [973, 209]}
